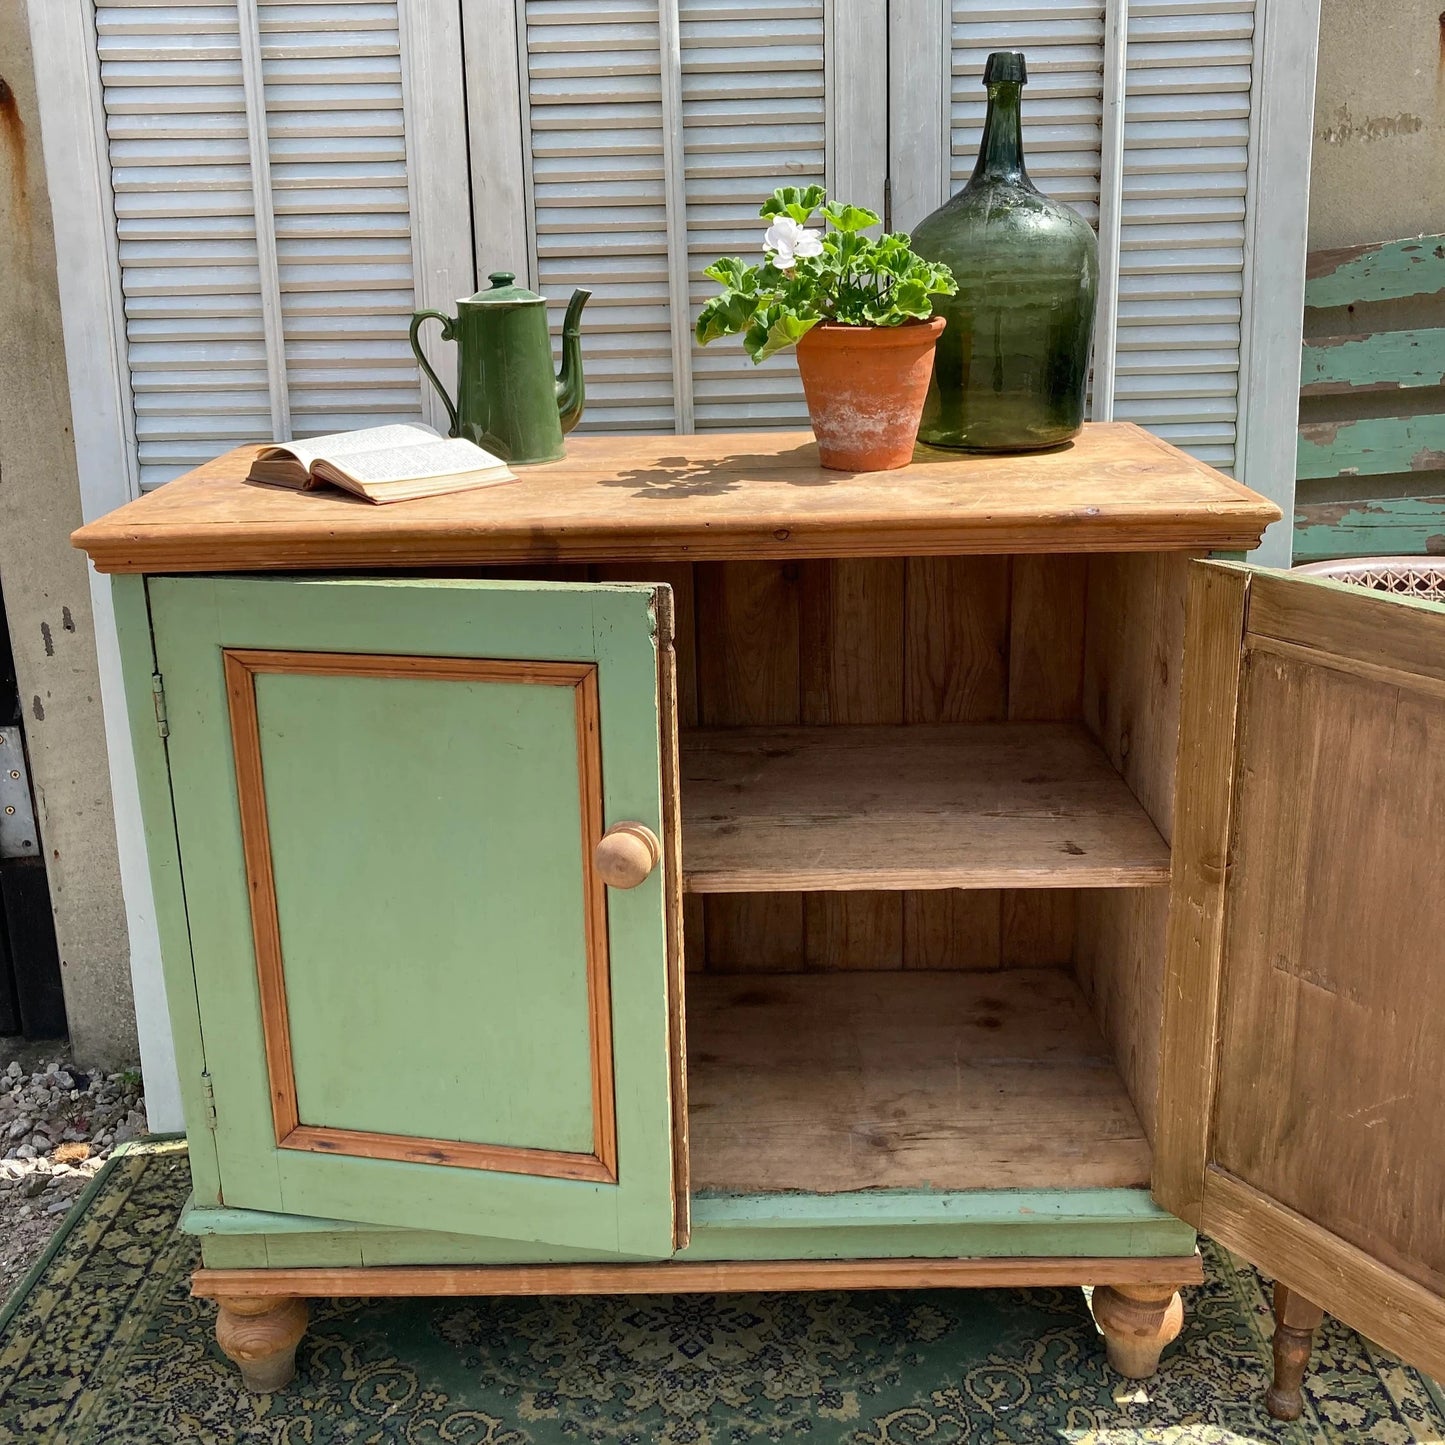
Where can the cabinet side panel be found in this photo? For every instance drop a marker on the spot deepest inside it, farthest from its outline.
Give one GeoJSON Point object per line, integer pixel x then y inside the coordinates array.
{"type": "Point", "coordinates": [133, 627]}
{"type": "Point", "coordinates": [1133, 663]}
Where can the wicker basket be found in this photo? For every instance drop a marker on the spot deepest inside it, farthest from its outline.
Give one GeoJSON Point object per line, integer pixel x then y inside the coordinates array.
{"type": "Point", "coordinates": [1403, 576]}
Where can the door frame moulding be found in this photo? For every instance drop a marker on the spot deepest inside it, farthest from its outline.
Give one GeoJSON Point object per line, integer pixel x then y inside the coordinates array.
{"type": "Point", "coordinates": [242, 666]}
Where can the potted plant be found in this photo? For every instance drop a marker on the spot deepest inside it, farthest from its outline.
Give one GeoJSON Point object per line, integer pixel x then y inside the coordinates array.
{"type": "Point", "coordinates": [859, 310]}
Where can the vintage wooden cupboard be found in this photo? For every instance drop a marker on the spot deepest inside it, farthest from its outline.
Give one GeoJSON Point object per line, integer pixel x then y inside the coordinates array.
{"type": "Point", "coordinates": [688, 869]}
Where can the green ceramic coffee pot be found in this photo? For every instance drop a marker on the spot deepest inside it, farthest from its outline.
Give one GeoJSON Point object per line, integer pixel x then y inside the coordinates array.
{"type": "Point", "coordinates": [508, 401]}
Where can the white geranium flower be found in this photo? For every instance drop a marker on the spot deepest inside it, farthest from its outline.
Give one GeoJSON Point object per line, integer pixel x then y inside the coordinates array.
{"type": "Point", "coordinates": [786, 240]}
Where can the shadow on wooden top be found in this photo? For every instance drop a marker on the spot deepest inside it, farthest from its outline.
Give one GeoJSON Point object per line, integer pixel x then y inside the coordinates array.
{"type": "Point", "coordinates": [713, 495]}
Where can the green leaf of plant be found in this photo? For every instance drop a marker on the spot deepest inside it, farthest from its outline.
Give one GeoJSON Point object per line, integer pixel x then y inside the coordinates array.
{"type": "Point", "coordinates": [736, 275]}
{"type": "Point", "coordinates": [784, 331]}
{"type": "Point", "coordinates": [849, 218]}
{"type": "Point", "coordinates": [799, 202]}
{"type": "Point", "coordinates": [724, 315]}
{"type": "Point", "coordinates": [911, 298]}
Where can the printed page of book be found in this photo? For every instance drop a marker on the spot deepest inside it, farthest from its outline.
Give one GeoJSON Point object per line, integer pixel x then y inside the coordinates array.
{"type": "Point", "coordinates": [350, 443]}
{"type": "Point", "coordinates": [441, 457]}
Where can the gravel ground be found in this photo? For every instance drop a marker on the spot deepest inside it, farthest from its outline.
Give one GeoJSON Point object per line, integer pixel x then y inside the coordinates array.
{"type": "Point", "coordinates": [58, 1125]}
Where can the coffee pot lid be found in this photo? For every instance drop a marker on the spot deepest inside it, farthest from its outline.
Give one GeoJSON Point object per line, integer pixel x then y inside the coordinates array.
{"type": "Point", "coordinates": [1004, 67]}
{"type": "Point", "coordinates": [502, 292]}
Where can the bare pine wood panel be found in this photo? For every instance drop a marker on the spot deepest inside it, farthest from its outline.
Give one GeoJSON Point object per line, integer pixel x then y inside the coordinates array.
{"type": "Point", "coordinates": [988, 806]}
{"type": "Point", "coordinates": [749, 672]}
{"type": "Point", "coordinates": [689, 1277]}
{"type": "Point", "coordinates": [1218, 599]}
{"type": "Point", "coordinates": [1046, 638]}
{"type": "Point", "coordinates": [956, 622]}
{"type": "Point", "coordinates": [712, 495]}
{"type": "Point", "coordinates": [953, 928]}
{"type": "Point", "coordinates": [851, 662]}
{"type": "Point", "coordinates": [1036, 926]}
{"type": "Point", "coordinates": [1332, 954]}
{"type": "Point", "coordinates": [1045, 677]}
{"type": "Point", "coordinates": [906, 1081]}
{"type": "Point", "coordinates": [1133, 668]}
{"type": "Point", "coordinates": [1352, 1284]}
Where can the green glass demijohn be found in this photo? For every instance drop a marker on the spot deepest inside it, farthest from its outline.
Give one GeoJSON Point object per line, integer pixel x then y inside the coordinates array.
{"type": "Point", "coordinates": [508, 400]}
{"type": "Point", "coordinates": [1012, 365]}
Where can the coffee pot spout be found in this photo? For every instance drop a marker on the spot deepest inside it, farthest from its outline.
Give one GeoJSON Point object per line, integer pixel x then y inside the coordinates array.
{"type": "Point", "coordinates": [571, 390]}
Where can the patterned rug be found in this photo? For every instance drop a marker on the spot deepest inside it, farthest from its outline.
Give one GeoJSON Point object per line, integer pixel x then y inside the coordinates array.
{"type": "Point", "coordinates": [103, 1344]}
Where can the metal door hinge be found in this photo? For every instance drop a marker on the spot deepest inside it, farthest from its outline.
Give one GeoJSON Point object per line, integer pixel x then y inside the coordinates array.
{"type": "Point", "coordinates": [208, 1096]}
{"type": "Point", "coordinates": [158, 695]}
{"type": "Point", "coordinates": [19, 837]}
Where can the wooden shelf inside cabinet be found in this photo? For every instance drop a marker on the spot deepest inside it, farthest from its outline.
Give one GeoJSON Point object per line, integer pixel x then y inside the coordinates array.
{"type": "Point", "coordinates": [1005, 805]}
{"type": "Point", "coordinates": [833, 1082]}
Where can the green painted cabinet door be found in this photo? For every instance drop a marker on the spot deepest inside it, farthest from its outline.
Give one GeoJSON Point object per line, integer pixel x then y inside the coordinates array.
{"type": "Point", "coordinates": [419, 1004]}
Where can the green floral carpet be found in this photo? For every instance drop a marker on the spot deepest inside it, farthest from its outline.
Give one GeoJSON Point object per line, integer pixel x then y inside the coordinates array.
{"type": "Point", "coordinates": [104, 1344]}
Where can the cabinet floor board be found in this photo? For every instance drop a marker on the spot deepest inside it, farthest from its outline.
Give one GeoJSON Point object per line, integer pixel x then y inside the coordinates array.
{"type": "Point", "coordinates": [988, 805]}
{"type": "Point", "coordinates": [949, 1081]}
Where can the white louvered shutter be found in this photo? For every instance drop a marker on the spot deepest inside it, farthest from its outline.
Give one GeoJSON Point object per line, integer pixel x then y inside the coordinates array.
{"type": "Point", "coordinates": [1063, 41]}
{"type": "Point", "coordinates": [1181, 265]}
{"type": "Point", "coordinates": [1172, 296]}
{"type": "Point", "coordinates": [652, 133]}
{"type": "Point", "coordinates": [181, 173]}
{"type": "Point", "coordinates": [593, 118]}
{"type": "Point", "coordinates": [337, 147]}
{"type": "Point", "coordinates": [259, 173]}
{"type": "Point", "coordinates": [754, 116]}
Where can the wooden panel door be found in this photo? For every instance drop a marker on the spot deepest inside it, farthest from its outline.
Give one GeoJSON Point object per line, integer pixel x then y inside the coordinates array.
{"type": "Point", "coordinates": [1302, 1102]}
{"type": "Point", "coordinates": [419, 1004]}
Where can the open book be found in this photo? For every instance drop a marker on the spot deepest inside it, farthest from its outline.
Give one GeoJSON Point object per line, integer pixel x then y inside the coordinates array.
{"type": "Point", "coordinates": [381, 463]}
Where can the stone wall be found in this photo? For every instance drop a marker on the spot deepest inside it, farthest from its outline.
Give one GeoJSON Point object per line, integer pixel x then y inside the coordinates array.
{"type": "Point", "coordinates": [1378, 170]}
{"type": "Point", "coordinates": [47, 592]}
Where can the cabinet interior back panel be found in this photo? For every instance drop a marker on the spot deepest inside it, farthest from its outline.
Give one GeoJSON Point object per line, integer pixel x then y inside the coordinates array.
{"type": "Point", "coordinates": [878, 640]}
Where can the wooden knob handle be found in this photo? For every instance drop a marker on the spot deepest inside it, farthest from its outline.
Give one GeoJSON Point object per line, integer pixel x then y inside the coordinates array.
{"type": "Point", "coordinates": [627, 854]}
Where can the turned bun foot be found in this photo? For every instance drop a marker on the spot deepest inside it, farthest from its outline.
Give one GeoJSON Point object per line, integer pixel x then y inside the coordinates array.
{"type": "Point", "coordinates": [261, 1336]}
{"type": "Point", "coordinates": [1137, 1321]}
{"type": "Point", "coordinates": [1295, 1323]}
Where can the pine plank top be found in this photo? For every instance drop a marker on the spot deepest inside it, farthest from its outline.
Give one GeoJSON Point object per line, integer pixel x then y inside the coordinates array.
{"type": "Point", "coordinates": [985, 805]}
{"type": "Point", "coordinates": [714, 495]}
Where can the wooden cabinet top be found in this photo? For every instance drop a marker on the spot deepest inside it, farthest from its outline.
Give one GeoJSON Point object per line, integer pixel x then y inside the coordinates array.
{"type": "Point", "coordinates": [1115, 488]}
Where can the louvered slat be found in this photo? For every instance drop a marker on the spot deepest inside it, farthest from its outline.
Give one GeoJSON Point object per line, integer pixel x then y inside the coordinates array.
{"type": "Point", "coordinates": [593, 118]}
{"type": "Point", "coordinates": [175, 114]}
{"type": "Point", "coordinates": [1186, 157]}
{"type": "Point", "coordinates": [337, 146]}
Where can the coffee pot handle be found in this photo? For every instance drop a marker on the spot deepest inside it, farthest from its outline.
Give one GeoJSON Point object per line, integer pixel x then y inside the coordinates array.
{"type": "Point", "coordinates": [448, 334]}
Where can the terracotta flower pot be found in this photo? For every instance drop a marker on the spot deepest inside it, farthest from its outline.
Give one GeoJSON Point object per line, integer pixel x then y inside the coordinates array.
{"type": "Point", "coordinates": [865, 387]}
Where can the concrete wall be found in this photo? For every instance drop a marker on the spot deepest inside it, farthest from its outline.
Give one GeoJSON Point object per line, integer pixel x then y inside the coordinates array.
{"type": "Point", "coordinates": [47, 591]}
{"type": "Point", "coordinates": [1378, 170]}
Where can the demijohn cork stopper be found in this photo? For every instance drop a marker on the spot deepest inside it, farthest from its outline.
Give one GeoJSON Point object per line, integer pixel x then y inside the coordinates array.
{"type": "Point", "coordinates": [1005, 66]}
